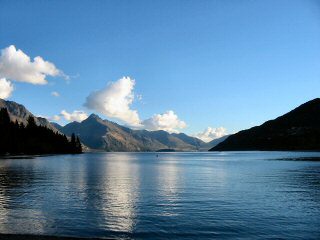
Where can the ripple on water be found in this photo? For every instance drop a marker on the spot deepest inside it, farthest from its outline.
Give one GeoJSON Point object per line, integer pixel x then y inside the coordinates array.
{"type": "Point", "coordinates": [175, 196]}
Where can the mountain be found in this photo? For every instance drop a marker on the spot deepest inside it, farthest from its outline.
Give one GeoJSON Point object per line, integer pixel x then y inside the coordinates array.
{"type": "Point", "coordinates": [190, 140]}
{"type": "Point", "coordinates": [56, 125]}
{"type": "Point", "coordinates": [18, 112]}
{"type": "Point", "coordinates": [31, 138]}
{"type": "Point", "coordinates": [213, 143]}
{"type": "Point", "coordinates": [97, 133]}
{"type": "Point", "coordinates": [299, 129]}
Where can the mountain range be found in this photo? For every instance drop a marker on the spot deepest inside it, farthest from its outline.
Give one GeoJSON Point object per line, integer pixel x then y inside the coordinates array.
{"type": "Point", "coordinates": [99, 134]}
{"type": "Point", "coordinates": [298, 129]}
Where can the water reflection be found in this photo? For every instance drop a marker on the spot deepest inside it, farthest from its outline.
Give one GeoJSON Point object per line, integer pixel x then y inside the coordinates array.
{"type": "Point", "coordinates": [170, 180]}
{"type": "Point", "coordinates": [120, 192]}
{"type": "Point", "coordinates": [177, 196]}
{"type": "Point", "coordinates": [15, 183]}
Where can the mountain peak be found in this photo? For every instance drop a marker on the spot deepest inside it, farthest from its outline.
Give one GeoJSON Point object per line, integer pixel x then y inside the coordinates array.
{"type": "Point", "coordinates": [93, 116]}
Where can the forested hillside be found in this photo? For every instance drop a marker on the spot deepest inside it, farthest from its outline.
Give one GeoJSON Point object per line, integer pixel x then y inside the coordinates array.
{"type": "Point", "coordinates": [17, 138]}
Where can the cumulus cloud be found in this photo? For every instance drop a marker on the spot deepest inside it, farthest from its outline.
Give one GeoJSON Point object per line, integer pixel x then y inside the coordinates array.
{"type": "Point", "coordinates": [56, 118]}
{"type": "Point", "coordinates": [76, 115]}
{"type": "Point", "coordinates": [55, 94]}
{"type": "Point", "coordinates": [6, 88]}
{"type": "Point", "coordinates": [167, 121]}
{"type": "Point", "coordinates": [16, 65]}
{"type": "Point", "coordinates": [210, 134]}
{"type": "Point", "coordinates": [115, 101]}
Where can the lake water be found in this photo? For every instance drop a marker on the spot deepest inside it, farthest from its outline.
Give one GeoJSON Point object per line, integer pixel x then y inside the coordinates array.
{"type": "Point", "coordinates": [227, 195]}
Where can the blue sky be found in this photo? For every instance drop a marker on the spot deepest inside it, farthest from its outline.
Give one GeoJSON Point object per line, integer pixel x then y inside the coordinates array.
{"type": "Point", "coordinates": [231, 64]}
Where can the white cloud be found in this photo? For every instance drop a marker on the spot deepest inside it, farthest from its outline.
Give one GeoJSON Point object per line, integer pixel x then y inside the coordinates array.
{"type": "Point", "coordinates": [56, 118]}
{"type": "Point", "coordinates": [6, 88]}
{"type": "Point", "coordinates": [16, 65]}
{"type": "Point", "coordinates": [76, 115]}
{"type": "Point", "coordinates": [167, 121]}
{"type": "Point", "coordinates": [55, 94]}
{"type": "Point", "coordinates": [115, 101]}
{"type": "Point", "coordinates": [210, 134]}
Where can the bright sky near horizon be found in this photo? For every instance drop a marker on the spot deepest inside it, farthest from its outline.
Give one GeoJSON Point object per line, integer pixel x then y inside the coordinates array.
{"type": "Point", "coordinates": [201, 67]}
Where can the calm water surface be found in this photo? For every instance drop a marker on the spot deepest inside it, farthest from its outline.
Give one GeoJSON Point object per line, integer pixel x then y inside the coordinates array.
{"type": "Point", "coordinates": [230, 195]}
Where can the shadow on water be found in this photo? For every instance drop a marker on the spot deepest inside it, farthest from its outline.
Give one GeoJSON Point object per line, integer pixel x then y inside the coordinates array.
{"type": "Point", "coordinates": [11, 179]}
{"type": "Point", "coordinates": [311, 159]}
{"type": "Point", "coordinates": [305, 181]}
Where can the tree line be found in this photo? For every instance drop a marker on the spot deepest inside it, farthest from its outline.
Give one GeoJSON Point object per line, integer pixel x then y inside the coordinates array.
{"type": "Point", "coordinates": [16, 138]}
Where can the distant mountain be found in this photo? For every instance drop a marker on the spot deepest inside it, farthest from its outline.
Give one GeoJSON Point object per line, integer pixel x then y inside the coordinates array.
{"type": "Point", "coordinates": [190, 140]}
{"type": "Point", "coordinates": [297, 130]}
{"type": "Point", "coordinates": [97, 133]}
{"type": "Point", "coordinates": [213, 143]}
{"type": "Point", "coordinates": [100, 134]}
{"type": "Point", "coordinates": [56, 125]}
{"type": "Point", "coordinates": [18, 112]}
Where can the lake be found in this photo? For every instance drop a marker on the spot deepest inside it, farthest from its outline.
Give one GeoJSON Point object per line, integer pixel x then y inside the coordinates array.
{"type": "Point", "coordinates": [222, 195]}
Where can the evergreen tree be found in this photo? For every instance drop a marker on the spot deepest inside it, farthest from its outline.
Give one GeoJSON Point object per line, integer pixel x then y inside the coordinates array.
{"type": "Point", "coordinates": [4, 117]}
{"type": "Point", "coordinates": [78, 145]}
{"type": "Point", "coordinates": [16, 138]}
{"type": "Point", "coordinates": [31, 122]}
{"type": "Point", "coordinates": [73, 139]}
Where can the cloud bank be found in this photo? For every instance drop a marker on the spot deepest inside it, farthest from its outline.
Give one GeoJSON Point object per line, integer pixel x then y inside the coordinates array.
{"type": "Point", "coordinates": [210, 134]}
{"type": "Point", "coordinates": [17, 66]}
{"type": "Point", "coordinates": [115, 101]}
{"type": "Point", "coordinates": [55, 118]}
{"type": "Point", "coordinates": [6, 88]}
{"type": "Point", "coordinates": [167, 121]}
{"type": "Point", "coordinates": [76, 115]}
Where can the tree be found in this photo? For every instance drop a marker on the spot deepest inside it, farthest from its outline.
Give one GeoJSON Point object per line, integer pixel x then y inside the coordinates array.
{"type": "Point", "coordinates": [4, 131]}
{"type": "Point", "coordinates": [78, 145]}
{"type": "Point", "coordinates": [31, 122]}
{"type": "Point", "coordinates": [16, 138]}
{"type": "Point", "coordinates": [4, 117]}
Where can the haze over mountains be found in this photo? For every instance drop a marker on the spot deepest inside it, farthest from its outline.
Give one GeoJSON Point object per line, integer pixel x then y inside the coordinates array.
{"type": "Point", "coordinates": [298, 129]}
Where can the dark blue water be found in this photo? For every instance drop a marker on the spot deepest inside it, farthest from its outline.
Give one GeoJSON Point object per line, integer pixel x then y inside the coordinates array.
{"type": "Point", "coordinates": [240, 195]}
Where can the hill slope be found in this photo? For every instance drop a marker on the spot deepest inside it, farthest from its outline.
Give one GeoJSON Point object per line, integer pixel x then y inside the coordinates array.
{"type": "Point", "coordinates": [18, 112]}
{"type": "Point", "coordinates": [297, 130]}
{"type": "Point", "coordinates": [31, 138]}
{"type": "Point", "coordinates": [213, 143]}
